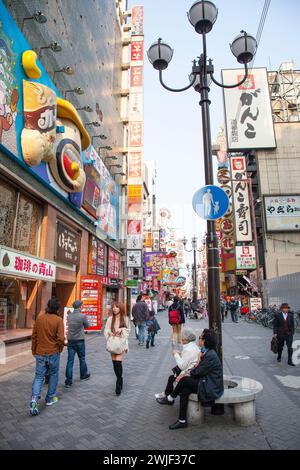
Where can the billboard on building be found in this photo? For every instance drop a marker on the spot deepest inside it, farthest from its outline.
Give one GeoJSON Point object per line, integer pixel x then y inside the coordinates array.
{"type": "Point", "coordinates": [282, 213]}
{"type": "Point", "coordinates": [245, 257]}
{"type": "Point", "coordinates": [249, 123]}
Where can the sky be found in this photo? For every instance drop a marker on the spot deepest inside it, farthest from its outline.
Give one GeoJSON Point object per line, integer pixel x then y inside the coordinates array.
{"type": "Point", "coordinates": [172, 121]}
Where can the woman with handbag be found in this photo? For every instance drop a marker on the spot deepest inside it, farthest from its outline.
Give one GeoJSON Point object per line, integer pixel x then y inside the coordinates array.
{"type": "Point", "coordinates": [116, 333]}
{"type": "Point", "coordinates": [206, 379]}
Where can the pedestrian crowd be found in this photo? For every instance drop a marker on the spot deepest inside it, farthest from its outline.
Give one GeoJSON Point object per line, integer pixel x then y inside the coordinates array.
{"type": "Point", "coordinates": [197, 369]}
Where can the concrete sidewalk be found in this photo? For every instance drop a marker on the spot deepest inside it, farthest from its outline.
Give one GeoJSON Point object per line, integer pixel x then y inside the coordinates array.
{"type": "Point", "coordinates": [90, 416]}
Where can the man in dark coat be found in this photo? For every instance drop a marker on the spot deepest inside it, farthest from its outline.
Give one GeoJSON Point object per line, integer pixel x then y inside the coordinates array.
{"type": "Point", "coordinates": [284, 329]}
{"type": "Point", "coordinates": [210, 367]}
{"type": "Point", "coordinates": [140, 313]}
{"type": "Point", "coordinates": [233, 306]}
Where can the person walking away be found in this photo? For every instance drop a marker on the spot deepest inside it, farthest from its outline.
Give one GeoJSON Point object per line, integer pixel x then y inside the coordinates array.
{"type": "Point", "coordinates": [283, 330]}
{"type": "Point", "coordinates": [116, 333]}
{"type": "Point", "coordinates": [153, 328]}
{"type": "Point", "coordinates": [140, 313]}
{"type": "Point", "coordinates": [209, 368]}
{"type": "Point", "coordinates": [185, 361]}
{"type": "Point", "coordinates": [233, 307]}
{"type": "Point", "coordinates": [77, 322]}
{"type": "Point", "coordinates": [186, 307]}
{"type": "Point", "coordinates": [47, 344]}
{"type": "Point", "coordinates": [222, 308]}
{"type": "Point", "coordinates": [176, 320]}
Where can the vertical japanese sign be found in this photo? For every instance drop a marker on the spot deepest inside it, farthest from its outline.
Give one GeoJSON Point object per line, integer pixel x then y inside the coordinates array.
{"type": "Point", "coordinates": [242, 216]}
{"type": "Point", "coordinates": [135, 143]}
{"type": "Point", "coordinates": [249, 123]}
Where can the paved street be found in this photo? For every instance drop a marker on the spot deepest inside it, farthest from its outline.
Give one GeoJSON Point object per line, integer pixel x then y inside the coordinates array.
{"type": "Point", "coordinates": [91, 416]}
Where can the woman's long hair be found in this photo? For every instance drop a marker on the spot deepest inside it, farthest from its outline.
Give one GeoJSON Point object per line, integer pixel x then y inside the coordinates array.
{"type": "Point", "coordinates": [122, 316]}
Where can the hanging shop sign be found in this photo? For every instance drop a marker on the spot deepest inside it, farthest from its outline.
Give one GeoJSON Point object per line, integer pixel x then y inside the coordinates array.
{"type": "Point", "coordinates": [223, 176]}
{"type": "Point", "coordinates": [134, 242]}
{"type": "Point", "coordinates": [134, 258]}
{"type": "Point", "coordinates": [249, 123]}
{"type": "Point", "coordinates": [132, 283]}
{"type": "Point", "coordinates": [114, 264]}
{"type": "Point", "coordinates": [68, 244]}
{"type": "Point", "coordinates": [137, 20]}
{"type": "Point", "coordinates": [153, 263]}
{"type": "Point", "coordinates": [97, 257]}
{"type": "Point", "coordinates": [227, 226]}
{"type": "Point", "coordinates": [282, 213]}
{"type": "Point", "coordinates": [20, 264]}
{"type": "Point", "coordinates": [245, 257]}
{"type": "Point", "coordinates": [242, 214]}
{"type": "Point", "coordinates": [91, 294]}
{"type": "Point", "coordinates": [227, 243]}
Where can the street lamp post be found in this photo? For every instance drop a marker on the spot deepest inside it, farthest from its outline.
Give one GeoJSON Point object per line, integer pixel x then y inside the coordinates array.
{"type": "Point", "coordinates": [202, 15]}
{"type": "Point", "coordinates": [194, 266]}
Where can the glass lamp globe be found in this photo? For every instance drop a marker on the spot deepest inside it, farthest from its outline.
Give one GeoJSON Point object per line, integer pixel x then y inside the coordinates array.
{"type": "Point", "coordinates": [202, 16]}
{"type": "Point", "coordinates": [244, 47]}
{"type": "Point", "coordinates": [160, 54]}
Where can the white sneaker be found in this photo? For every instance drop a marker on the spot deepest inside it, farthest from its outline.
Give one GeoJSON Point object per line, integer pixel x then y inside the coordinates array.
{"type": "Point", "coordinates": [160, 395]}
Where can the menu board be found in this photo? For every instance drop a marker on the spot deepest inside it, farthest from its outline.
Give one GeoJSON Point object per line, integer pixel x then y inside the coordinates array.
{"type": "Point", "coordinates": [97, 257]}
{"type": "Point", "coordinates": [3, 313]}
{"type": "Point", "coordinates": [91, 296]}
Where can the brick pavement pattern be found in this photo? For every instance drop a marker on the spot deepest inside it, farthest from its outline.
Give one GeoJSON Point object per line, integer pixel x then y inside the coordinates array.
{"type": "Point", "coordinates": [90, 416]}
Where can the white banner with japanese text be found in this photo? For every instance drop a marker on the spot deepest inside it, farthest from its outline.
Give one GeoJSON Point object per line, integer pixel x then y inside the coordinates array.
{"type": "Point", "coordinates": [282, 213]}
{"type": "Point", "coordinates": [245, 257]}
{"type": "Point", "coordinates": [241, 203]}
{"type": "Point", "coordinates": [249, 123]}
{"type": "Point", "coordinates": [17, 263]}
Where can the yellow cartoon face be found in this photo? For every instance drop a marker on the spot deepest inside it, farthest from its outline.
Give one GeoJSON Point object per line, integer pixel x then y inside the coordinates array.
{"type": "Point", "coordinates": [53, 133]}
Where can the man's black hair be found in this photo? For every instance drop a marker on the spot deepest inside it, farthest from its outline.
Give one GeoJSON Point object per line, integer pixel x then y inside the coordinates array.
{"type": "Point", "coordinates": [139, 298]}
{"type": "Point", "coordinates": [53, 306]}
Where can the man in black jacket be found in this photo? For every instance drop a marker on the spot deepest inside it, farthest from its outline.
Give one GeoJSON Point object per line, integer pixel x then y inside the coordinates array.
{"type": "Point", "coordinates": [140, 313]}
{"type": "Point", "coordinates": [210, 367]}
{"type": "Point", "coordinates": [284, 329]}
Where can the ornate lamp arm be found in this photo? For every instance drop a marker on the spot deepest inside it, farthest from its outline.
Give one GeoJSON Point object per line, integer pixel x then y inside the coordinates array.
{"type": "Point", "coordinates": [174, 89]}
{"type": "Point", "coordinates": [228, 86]}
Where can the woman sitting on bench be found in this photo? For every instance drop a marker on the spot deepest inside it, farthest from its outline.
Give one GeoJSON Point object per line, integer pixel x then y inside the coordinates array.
{"type": "Point", "coordinates": [205, 379]}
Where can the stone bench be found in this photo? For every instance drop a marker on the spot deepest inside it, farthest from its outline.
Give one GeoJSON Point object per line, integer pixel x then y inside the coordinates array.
{"type": "Point", "coordinates": [239, 392]}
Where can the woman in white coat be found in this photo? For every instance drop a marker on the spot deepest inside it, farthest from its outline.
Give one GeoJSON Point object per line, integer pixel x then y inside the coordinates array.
{"type": "Point", "coordinates": [185, 361]}
{"type": "Point", "coordinates": [116, 333]}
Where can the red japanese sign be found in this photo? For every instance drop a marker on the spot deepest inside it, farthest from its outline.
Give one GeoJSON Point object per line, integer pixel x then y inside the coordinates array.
{"type": "Point", "coordinates": [91, 295]}
{"type": "Point", "coordinates": [136, 76]}
{"type": "Point", "coordinates": [114, 264]}
{"type": "Point", "coordinates": [135, 134]}
{"type": "Point", "coordinates": [137, 51]}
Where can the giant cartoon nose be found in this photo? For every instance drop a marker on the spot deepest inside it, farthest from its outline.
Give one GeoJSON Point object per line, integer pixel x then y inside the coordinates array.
{"type": "Point", "coordinates": [72, 168]}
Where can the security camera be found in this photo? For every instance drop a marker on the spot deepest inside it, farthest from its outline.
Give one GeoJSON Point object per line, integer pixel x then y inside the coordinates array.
{"type": "Point", "coordinates": [96, 224]}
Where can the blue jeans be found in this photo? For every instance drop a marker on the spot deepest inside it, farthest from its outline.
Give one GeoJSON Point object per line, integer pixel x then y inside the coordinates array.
{"type": "Point", "coordinates": [151, 336]}
{"type": "Point", "coordinates": [73, 348]}
{"type": "Point", "coordinates": [142, 328]}
{"type": "Point", "coordinates": [43, 364]}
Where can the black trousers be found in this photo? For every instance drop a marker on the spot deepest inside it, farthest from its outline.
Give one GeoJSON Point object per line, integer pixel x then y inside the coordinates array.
{"type": "Point", "coordinates": [184, 388]}
{"type": "Point", "coordinates": [169, 387]}
{"type": "Point", "coordinates": [288, 339]}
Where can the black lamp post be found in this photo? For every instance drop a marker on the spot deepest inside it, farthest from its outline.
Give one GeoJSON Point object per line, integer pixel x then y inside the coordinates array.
{"type": "Point", "coordinates": [194, 266]}
{"type": "Point", "coordinates": [202, 15]}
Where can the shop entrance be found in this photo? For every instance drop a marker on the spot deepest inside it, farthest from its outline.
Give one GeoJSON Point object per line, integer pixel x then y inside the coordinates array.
{"type": "Point", "coordinates": [65, 292]}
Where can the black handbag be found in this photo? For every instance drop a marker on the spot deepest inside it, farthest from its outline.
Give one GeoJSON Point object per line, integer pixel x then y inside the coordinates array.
{"type": "Point", "coordinates": [176, 371]}
{"type": "Point", "coordinates": [274, 345]}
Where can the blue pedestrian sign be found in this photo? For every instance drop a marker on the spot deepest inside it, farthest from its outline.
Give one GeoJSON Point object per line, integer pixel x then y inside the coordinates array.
{"type": "Point", "coordinates": [210, 202]}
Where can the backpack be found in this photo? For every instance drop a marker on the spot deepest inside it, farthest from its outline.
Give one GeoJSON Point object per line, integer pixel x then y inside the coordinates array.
{"type": "Point", "coordinates": [174, 317]}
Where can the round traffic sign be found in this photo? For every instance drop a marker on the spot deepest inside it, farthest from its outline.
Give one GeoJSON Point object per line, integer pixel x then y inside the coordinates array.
{"type": "Point", "coordinates": [210, 202]}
